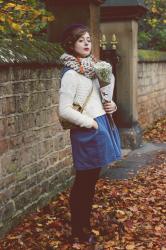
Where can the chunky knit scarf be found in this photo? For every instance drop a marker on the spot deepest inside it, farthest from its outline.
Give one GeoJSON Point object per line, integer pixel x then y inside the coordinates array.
{"type": "Point", "coordinates": [83, 66]}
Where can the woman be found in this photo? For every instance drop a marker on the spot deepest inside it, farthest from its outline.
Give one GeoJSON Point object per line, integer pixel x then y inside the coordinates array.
{"type": "Point", "coordinates": [94, 142]}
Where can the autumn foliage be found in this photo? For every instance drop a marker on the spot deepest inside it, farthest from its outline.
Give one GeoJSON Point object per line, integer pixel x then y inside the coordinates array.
{"type": "Point", "coordinates": [137, 203]}
{"type": "Point", "coordinates": [152, 27]}
{"type": "Point", "coordinates": [157, 131]}
{"type": "Point", "coordinates": [23, 18]}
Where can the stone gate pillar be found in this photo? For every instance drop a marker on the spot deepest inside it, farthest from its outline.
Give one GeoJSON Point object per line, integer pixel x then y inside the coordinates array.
{"type": "Point", "coordinates": [121, 17]}
{"type": "Point", "coordinates": [67, 12]}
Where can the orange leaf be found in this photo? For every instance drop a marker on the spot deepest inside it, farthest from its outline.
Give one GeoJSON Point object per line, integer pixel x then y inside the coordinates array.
{"type": "Point", "coordinates": [130, 246]}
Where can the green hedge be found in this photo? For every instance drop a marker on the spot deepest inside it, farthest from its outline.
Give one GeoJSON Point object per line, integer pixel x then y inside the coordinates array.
{"type": "Point", "coordinates": [23, 52]}
{"type": "Point", "coordinates": [151, 56]}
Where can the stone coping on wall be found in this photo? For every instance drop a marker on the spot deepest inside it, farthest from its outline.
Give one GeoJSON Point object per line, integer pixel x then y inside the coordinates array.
{"type": "Point", "coordinates": [21, 52]}
{"type": "Point", "coordinates": [39, 52]}
{"type": "Point", "coordinates": [151, 56]}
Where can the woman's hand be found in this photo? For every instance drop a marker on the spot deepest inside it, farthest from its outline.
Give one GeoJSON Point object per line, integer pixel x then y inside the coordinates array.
{"type": "Point", "coordinates": [109, 107]}
{"type": "Point", "coordinates": [95, 125]}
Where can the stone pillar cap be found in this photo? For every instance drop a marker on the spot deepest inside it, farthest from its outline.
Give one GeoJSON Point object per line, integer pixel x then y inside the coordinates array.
{"type": "Point", "coordinates": [124, 3]}
{"type": "Point", "coordinates": [62, 2]}
{"type": "Point", "coordinates": [122, 10]}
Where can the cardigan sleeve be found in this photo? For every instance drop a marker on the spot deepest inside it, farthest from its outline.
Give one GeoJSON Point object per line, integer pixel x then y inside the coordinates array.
{"type": "Point", "coordinates": [67, 94]}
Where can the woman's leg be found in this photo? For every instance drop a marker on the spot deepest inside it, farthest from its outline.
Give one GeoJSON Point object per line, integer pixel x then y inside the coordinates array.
{"type": "Point", "coordinates": [81, 199]}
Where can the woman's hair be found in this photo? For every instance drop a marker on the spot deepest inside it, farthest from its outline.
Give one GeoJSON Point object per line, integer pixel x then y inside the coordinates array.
{"type": "Point", "coordinates": [71, 34]}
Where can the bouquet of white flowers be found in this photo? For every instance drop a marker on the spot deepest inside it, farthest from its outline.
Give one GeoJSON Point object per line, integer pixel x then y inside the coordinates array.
{"type": "Point", "coordinates": [103, 71]}
{"type": "Point", "coordinates": [106, 81]}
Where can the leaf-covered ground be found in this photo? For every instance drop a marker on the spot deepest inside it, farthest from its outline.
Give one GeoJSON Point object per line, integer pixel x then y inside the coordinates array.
{"type": "Point", "coordinates": [157, 131]}
{"type": "Point", "coordinates": [138, 203]}
{"type": "Point", "coordinates": [127, 214]}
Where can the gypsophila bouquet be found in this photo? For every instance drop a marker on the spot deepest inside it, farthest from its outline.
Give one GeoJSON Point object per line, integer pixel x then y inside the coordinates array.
{"type": "Point", "coordinates": [103, 71]}
{"type": "Point", "coordinates": [106, 80]}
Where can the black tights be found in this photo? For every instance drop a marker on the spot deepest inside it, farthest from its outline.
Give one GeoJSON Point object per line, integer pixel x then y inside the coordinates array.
{"type": "Point", "coordinates": [81, 199]}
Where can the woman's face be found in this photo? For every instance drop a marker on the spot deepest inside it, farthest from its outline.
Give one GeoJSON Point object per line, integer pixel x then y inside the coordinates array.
{"type": "Point", "coordinates": [82, 46]}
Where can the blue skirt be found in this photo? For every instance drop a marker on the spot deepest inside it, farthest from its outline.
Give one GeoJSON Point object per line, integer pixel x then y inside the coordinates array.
{"type": "Point", "coordinates": [92, 148]}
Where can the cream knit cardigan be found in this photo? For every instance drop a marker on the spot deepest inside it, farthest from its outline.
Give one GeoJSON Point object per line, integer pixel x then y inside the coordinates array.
{"type": "Point", "coordinates": [75, 89]}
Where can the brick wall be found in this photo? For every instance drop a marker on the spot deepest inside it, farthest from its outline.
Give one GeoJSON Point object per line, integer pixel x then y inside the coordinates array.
{"type": "Point", "coordinates": [151, 92]}
{"type": "Point", "coordinates": [35, 153]}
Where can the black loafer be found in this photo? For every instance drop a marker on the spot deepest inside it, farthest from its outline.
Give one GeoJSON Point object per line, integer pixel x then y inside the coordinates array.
{"type": "Point", "coordinates": [91, 239]}
{"type": "Point", "coordinates": [84, 239]}
{"type": "Point", "coordinates": [87, 238]}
